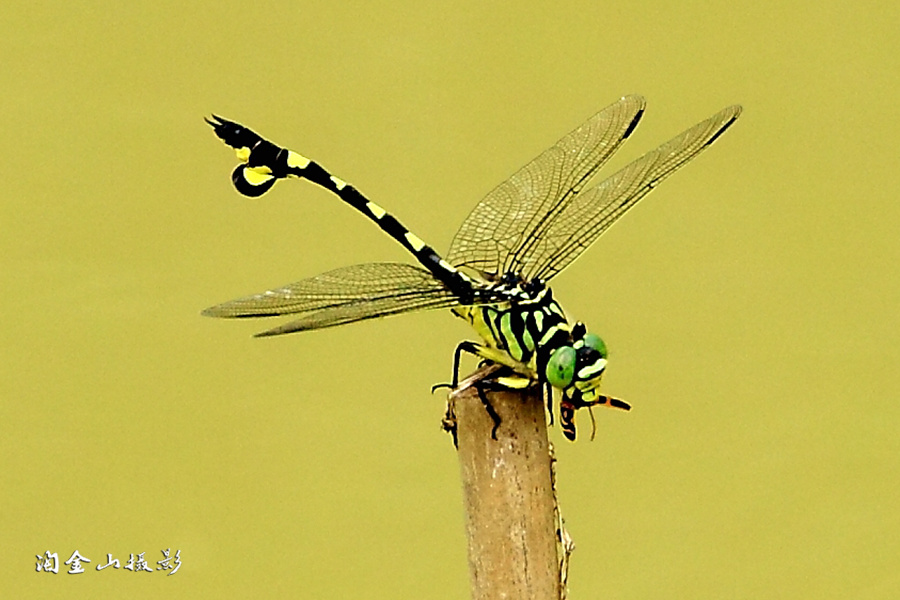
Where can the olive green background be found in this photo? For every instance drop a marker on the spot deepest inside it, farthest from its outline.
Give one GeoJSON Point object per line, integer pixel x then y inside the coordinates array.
{"type": "Point", "coordinates": [750, 304]}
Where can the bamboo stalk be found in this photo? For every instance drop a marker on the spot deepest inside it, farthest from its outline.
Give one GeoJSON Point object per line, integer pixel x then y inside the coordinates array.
{"type": "Point", "coordinates": [508, 493]}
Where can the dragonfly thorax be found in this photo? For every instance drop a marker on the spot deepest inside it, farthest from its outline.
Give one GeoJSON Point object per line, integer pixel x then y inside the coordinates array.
{"type": "Point", "coordinates": [531, 328]}
{"type": "Point", "coordinates": [523, 321]}
{"type": "Point", "coordinates": [527, 330]}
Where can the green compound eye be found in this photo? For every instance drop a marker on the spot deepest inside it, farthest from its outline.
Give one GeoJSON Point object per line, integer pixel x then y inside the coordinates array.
{"type": "Point", "coordinates": [592, 340]}
{"type": "Point", "coordinates": [561, 367]}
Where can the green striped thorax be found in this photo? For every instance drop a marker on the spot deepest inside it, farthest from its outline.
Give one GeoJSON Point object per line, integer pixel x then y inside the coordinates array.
{"type": "Point", "coordinates": [531, 328]}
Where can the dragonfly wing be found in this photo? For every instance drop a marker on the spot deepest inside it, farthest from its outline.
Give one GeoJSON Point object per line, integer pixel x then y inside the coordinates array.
{"type": "Point", "coordinates": [499, 233]}
{"type": "Point", "coordinates": [344, 295]}
{"type": "Point", "coordinates": [591, 212]}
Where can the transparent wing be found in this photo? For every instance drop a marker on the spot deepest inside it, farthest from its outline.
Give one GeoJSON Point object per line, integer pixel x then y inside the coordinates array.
{"type": "Point", "coordinates": [504, 230]}
{"type": "Point", "coordinates": [344, 295]}
{"type": "Point", "coordinates": [591, 212]}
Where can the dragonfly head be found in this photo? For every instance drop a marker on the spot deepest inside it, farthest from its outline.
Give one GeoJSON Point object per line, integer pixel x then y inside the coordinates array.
{"type": "Point", "coordinates": [577, 369]}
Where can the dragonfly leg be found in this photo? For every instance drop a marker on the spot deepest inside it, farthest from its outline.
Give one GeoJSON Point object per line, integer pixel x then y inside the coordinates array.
{"type": "Point", "coordinates": [480, 388]}
{"type": "Point", "coordinates": [509, 374]}
{"type": "Point", "coordinates": [469, 348]}
{"type": "Point", "coordinates": [449, 422]}
{"type": "Point", "coordinates": [548, 395]}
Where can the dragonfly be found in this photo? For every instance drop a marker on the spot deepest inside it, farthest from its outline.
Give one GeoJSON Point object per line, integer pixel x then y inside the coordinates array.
{"type": "Point", "coordinates": [495, 275]}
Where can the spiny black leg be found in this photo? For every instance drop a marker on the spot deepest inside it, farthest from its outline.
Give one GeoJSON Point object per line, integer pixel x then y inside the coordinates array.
{"type": "Point", "coordinates": [469, 348]}
{"type": "Point", "coordinates": [548, 392]}
{"type": "Point", "coordinates": [457, 357]}
{"type": "Point", "coordinates": [489, 408]}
